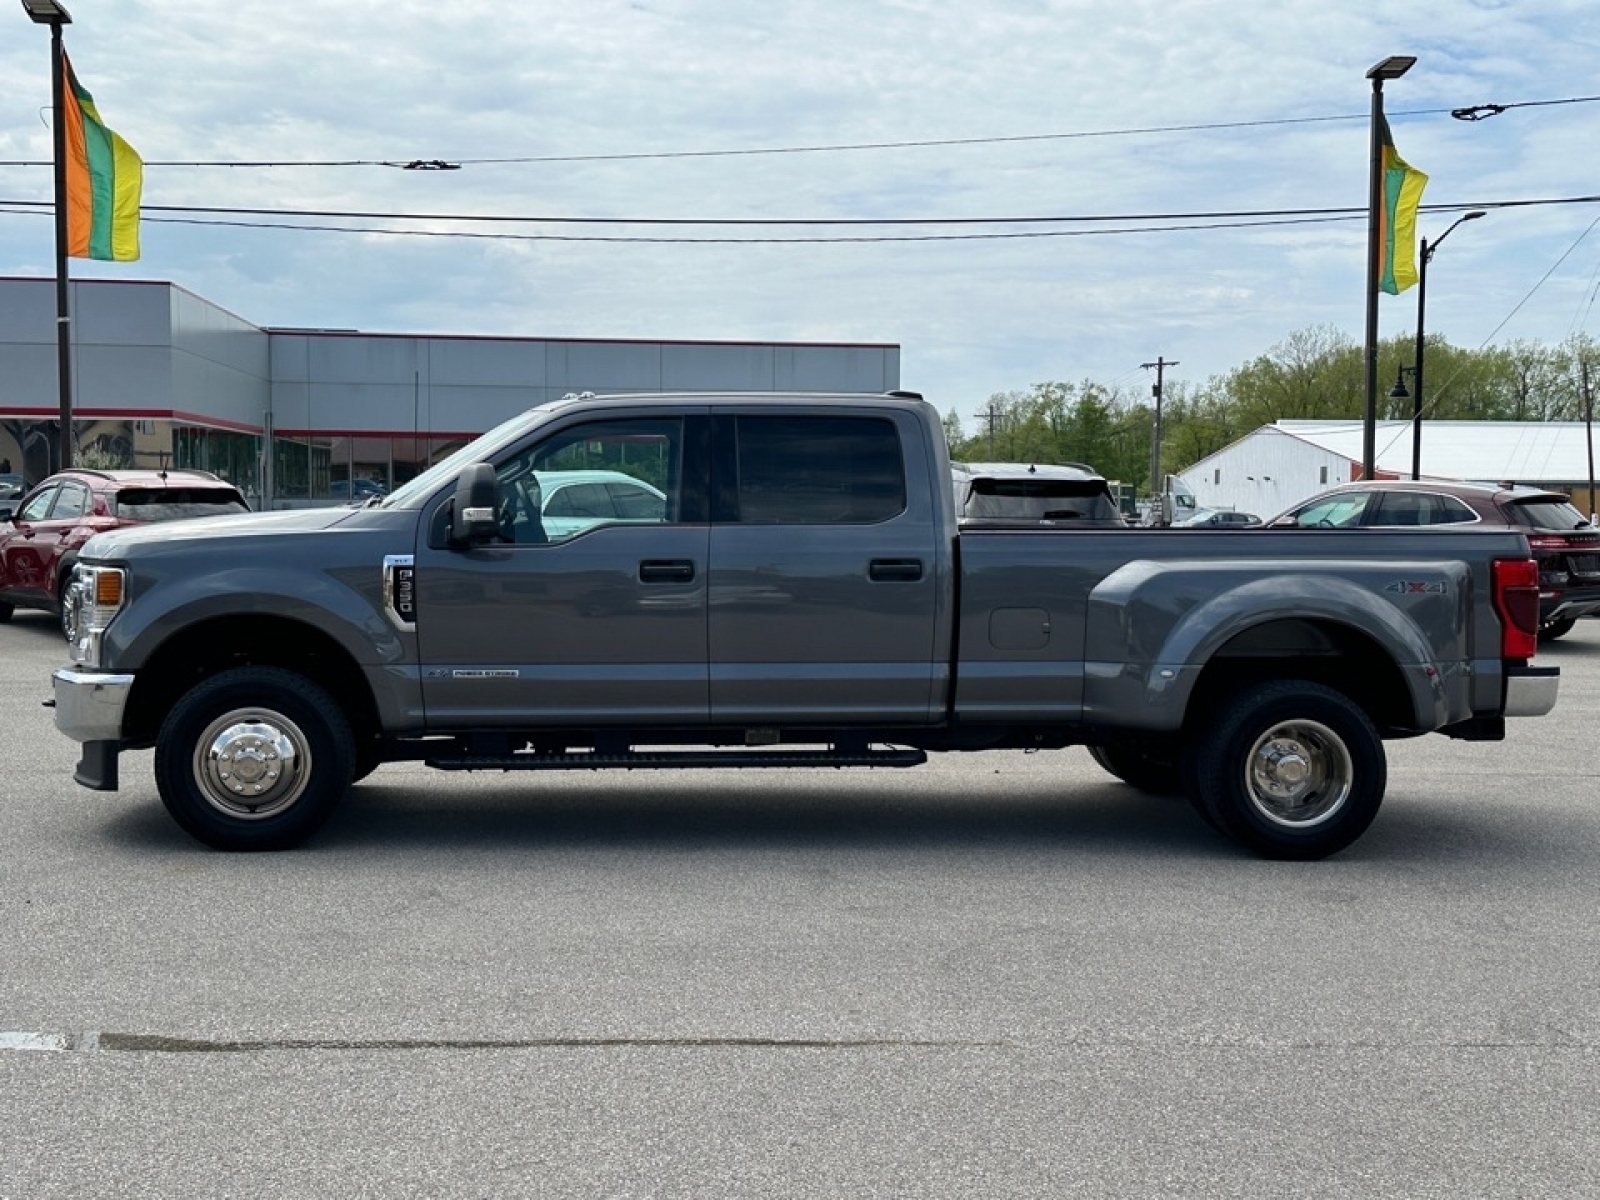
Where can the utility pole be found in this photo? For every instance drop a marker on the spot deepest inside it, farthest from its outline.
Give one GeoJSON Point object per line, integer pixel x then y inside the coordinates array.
{"type": "Point", "coordinates": [1160, 365]}
{"type": "Point", "coordinates": [1588, 433]}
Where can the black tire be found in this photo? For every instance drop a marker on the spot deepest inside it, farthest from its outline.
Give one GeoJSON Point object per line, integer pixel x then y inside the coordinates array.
{"type": "Point", "coordinates": [1149, 772]}
{"type": "Point", "coordinates": [365, 758]}
{"type": "Point", "coordinates": [255, 758]}
{"type": "Point", "coordinates": [1290, 770]}
{"type": "Point", "coordinates": [5, 613]}
{"type": "Point", "coordinates": [1555, 629]}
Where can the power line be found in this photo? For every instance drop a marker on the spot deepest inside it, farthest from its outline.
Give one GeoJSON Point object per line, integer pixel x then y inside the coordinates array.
{"type": "Point", "coordinates": [1212, 218]}
{"type": "Point", "coordinates": [1476, 112]}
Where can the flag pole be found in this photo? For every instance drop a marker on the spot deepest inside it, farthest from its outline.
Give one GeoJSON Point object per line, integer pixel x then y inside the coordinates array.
{"type": "Point", "coordinates": [1390, 68]}
{"type": "Point", "coordinates": [58, 87]}
{"type": "Point", "coordinates": [53, 14]}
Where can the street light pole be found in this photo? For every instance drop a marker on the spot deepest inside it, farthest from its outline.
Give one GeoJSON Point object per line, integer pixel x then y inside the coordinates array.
{"type": "Point", "coordinates": [49, 12]}
{"type": "Point", "coordinates": [1390, 68]}
{"type": "Point", "coordinates": [1422, 307]}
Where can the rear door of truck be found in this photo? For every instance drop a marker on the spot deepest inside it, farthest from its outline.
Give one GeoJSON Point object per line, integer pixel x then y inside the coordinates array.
{"type": "Point", "coordinates": [829, 591]}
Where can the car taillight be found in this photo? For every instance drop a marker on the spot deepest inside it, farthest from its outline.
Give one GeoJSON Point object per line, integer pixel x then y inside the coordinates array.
{"type": "Point", "coordinates": [1516, 601]}
{"type": "Point", "coordinates": [1549, 545]}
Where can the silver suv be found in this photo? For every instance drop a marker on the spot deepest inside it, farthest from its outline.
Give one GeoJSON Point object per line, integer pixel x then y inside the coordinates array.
{"type": "Point", "coordinates": [1033, 494]}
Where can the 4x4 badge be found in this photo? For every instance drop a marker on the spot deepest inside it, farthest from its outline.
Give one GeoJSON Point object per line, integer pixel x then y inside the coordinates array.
{"type": "Point", "coordinates": [1417, 587]}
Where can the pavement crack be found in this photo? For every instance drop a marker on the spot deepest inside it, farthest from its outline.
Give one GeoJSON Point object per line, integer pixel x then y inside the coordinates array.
{"type": "Point", "coordinates": [147, 1043]}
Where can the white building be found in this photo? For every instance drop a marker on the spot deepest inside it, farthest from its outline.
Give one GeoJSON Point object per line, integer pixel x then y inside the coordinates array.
{"type": "Point", "coordinates": [1277, 466]}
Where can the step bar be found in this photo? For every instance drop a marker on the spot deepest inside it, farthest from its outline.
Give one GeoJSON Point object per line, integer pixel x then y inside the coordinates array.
{"type": "Point", "coordinates": [655, 760]}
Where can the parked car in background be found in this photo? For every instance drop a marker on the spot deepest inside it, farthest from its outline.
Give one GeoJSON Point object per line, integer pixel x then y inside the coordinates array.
{"type": "Point", "coordinates": [1208, 518]}
{"type": "Point", "coordinates": [556, 505]}
{"type": "Point", "coordinates": [11, 488]}
{"type": "Point", "coordinates": [39, 543]}
{"type": "Point", "coordinates": [1565, 544]}
{"type": "Point", "coordinates": [1050, 494]}
{"type": "Point", "coordinates": [355, 491]}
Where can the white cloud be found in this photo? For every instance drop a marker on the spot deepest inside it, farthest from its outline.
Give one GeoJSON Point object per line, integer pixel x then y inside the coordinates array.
{"type": "Point", "coordinates": [397, 80]}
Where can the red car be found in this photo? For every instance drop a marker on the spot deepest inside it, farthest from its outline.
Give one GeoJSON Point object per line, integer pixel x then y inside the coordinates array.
{"type": "Point", "coordinates": [39, 542]}
{"type": "Point", "coordinates": [1563, 541]}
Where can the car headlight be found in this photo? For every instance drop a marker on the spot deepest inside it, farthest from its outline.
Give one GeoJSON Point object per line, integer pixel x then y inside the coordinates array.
{"type": "Point", "coordinates": [98, 594]}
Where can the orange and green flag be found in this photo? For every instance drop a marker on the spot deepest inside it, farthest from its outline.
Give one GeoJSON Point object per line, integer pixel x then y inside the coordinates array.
{"type": "Point", "coordinates": [104, 177]}
{"type": "Point", "coordinates": [1397, 215]}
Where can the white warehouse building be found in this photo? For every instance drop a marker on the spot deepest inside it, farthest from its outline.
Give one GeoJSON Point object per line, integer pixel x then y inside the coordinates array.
{"type": "Point", "coordinates": [1277, 466]}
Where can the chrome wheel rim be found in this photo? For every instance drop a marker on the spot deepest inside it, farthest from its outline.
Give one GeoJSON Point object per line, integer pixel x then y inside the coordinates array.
{"type": "Point", "coordinates": [252, 763]}
{"type": "Point", "coordinates": [1298, 774]}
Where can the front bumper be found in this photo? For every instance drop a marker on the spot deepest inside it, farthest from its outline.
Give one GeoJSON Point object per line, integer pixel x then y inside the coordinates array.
{"type": "Point", "coordinates": [89, 708]}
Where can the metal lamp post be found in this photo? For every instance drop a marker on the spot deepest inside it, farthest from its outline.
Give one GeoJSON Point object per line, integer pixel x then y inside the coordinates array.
{"type": "Point", "coordinates": [48, 12]}
{"type": "Point", "coordinates": [1390, 68]}
{"type": "Point", "coordinates": [1422, 306]}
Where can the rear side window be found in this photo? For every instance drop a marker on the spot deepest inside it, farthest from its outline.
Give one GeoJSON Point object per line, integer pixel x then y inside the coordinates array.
{"type": "Point", "coordinates": [1424, 508]}
{"type": "Point", "coordinates": [818, 471]}
{"type": "Point", "coordinates": [176, 503]}
{"type": "Point", "coordinates": [72, 502]}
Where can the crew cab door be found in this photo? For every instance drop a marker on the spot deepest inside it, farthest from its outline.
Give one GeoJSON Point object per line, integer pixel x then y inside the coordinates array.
{"type": "Point", "coordinates": [582, 619]}
{"type": "Point", "coordinates": [826, 574]}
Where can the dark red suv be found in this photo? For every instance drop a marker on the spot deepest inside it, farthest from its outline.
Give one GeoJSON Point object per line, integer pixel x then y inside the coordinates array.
{"type": "Point", "coordinates": [1566, 546]}
{"type": "Point", "coordinates": [39, 542]}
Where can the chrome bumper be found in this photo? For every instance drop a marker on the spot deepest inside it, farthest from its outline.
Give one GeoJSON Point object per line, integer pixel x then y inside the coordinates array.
{"type": "Point", "coordinates": [1532, 693]}
{"type": "Point", "coordinates": [89, 704]}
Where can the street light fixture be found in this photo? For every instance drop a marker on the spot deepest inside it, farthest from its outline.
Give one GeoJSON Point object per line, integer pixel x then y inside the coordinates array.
{"type": "Point", "coordinates": [1392, 67]}
{"type": "Point", "coordinates": [1422, 307]}
{"type": "Point", "coordinates": [49, 12]}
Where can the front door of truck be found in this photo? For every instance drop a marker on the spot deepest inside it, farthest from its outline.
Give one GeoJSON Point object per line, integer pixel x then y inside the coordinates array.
{"type": "Point", "coordinates": [825, 599]}
{"type": "Point", "coordinates": [590, 612]}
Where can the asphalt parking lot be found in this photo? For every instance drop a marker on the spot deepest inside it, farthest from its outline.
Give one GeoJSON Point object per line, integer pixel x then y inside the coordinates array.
{"type": "Point", "coordinates": [998, 975]}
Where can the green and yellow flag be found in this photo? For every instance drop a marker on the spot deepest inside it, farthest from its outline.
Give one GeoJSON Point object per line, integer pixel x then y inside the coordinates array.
{"type": "Point", "coordinates": [1397, 216]}
{"type": "Point", "coordinates": [104, 177]}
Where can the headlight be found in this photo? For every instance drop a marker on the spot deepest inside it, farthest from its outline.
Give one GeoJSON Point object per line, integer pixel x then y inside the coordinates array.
{"type": "Point", "coordinates": [97, 595]}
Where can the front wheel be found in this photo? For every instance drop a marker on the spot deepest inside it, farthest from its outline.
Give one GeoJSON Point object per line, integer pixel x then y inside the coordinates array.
{"type": "Point", "coordinates": [1291, 770]}
{"type": "Point", "coordinates": [255, 758]}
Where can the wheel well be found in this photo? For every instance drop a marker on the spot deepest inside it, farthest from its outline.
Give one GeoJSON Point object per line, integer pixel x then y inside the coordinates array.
{"type": "Point", "coordinates": [208, 647]}
{"type": "Point", "coordinates": [1324, 652]}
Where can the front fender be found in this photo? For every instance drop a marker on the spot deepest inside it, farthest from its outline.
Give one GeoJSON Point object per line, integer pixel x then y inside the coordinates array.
{"type": "Point", "coordinates": [346, 608]}
{"type": "Point", "coordinates": [1170, 619]}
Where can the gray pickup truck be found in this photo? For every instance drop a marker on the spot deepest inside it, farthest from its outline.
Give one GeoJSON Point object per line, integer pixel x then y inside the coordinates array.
{"type": "Point", "coordinates": [654, 581]}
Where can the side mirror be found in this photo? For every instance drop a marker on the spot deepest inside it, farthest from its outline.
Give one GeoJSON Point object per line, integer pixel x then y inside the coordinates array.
{"type": "Point", "coordinates": [474, 516]}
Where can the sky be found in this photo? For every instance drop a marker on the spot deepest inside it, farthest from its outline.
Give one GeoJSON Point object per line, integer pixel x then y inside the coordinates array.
{"type": "Point", "coordinates": [723, 111]}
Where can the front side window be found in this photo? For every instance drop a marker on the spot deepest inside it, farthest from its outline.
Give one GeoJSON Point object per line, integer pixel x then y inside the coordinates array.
{"type": "Point", "coordinates": [36, 508]}
{"type": "Point", "coordinates": [1335, 512]}
{"type": "Point", "coordinates": [818, 471]}
{"type": "Point", "coordinates": [568, 483]}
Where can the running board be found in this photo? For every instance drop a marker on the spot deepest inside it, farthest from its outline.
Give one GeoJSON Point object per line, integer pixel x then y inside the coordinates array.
{"type": "Point", "coordinates": [666, 759]}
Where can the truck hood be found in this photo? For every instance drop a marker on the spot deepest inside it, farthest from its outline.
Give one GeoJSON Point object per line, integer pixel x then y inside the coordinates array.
{"type": "Point", "coordinates": [120, 543]}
